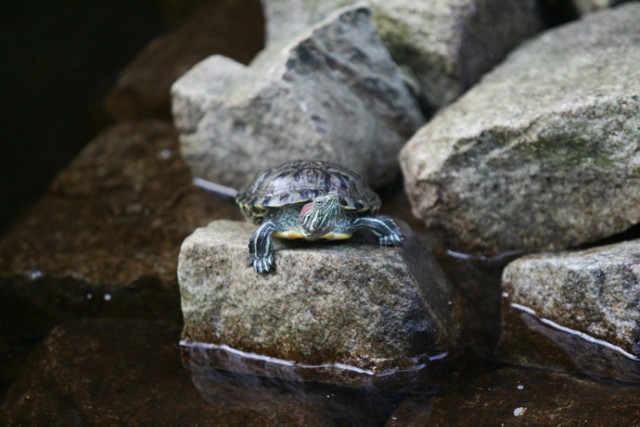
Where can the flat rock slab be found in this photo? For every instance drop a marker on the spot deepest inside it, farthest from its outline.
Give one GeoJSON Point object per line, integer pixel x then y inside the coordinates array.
{"type": "Point", "coordinates": [446, 45]}
{"type": "Point", "coordinates": [105, 238]}
{"type": "Point", "coordinates": [543, 152]}
{"type": "Point", "coordinates": [333, 93]}
{"type": "Point", "coordinates": [125, 372]}
{"type": "Point", "coordinates": [576, 311]}
{"type": "Point", "coordinates": [347, 313]}
{"type": "Point", "coordinates": [230, 28]}
{"type": "Point", "coordinates": [523, 397]}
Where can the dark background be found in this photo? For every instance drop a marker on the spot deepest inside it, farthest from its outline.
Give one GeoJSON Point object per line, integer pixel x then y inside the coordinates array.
{"type": "Point", "coordinates": [58, 60]}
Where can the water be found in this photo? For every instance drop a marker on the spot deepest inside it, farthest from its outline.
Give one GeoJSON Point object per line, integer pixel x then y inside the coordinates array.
{"type": "Point", "coordinates": [134, 371]}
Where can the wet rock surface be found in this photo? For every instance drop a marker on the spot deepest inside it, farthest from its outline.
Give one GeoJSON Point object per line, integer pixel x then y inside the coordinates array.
{"type": "Point", "coordinates": [575, 311]}
{"type": "Point", "coordinates": [230, 28]}
{"type": "Point", "coordinates": [125, 372]}
{"type": "Point", "coordinates": [352, 310]}
{"type": "Point", "coordinates": [522, 397]}
{"type": "Point", "coordinates": [105, 239]}
{"type": "Point", "coordinates": [298, 102]}
{"type": "Point", "coordinates": [542, 152]}
{"type": "Point", "coordinates": [446, 45]}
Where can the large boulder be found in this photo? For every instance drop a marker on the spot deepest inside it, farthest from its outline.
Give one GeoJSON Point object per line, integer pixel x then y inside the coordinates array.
{"type": "Point", "coordinates": [333, 93]}
{"type": "Point", "coordinates": [543, 153]}
{"type": "Point", "coordinates": [350, 313]}
{"type": "Point", "coordinates": [575, 311]}
{"type": "Point", "coordinates": [445, 45]}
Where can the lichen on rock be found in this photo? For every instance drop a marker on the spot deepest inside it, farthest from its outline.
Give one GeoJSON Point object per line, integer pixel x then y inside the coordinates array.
{"type": "Point", "coordinates": [543, 152]}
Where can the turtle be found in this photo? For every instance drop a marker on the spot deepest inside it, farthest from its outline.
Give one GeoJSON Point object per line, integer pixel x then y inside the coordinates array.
{"type": "Point", "coordinates": [311, 200]}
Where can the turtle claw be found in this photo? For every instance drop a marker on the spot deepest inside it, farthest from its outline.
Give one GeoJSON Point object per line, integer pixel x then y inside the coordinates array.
{"type": "Point", "coordinates": [263, 264]}
{"type": "Point", "coordinates": [394, 239]}
{"type": "Point", "coordinates": [261, 253]}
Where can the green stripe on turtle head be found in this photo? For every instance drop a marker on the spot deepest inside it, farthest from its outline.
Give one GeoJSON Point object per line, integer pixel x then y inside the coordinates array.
{"type": "Point", "coordinates": [319, 217]}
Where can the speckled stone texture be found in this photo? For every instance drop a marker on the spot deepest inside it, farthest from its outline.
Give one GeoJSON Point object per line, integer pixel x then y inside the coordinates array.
{"type": "Point", "coordinates": [543, 152]}
{"type": "Point", "coordinates": [576, 311]}
{"type": "Point", "coordinates": [524, 397]}
{"type": "Point", "coordinates": [445, 45]}
{"type": "Point", "coordinates": [333, 93]}
{"type": "Point", "coordinates": [352, 303]}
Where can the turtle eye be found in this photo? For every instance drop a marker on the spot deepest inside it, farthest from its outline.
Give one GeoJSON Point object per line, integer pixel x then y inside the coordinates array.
{"type": "Point", "coordinates": [318, 203]}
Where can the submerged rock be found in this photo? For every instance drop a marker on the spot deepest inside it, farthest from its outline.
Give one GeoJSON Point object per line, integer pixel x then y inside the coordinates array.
{"type": "Point", "coordinates": [104, 240]}
{"type": "Point", "coordinates": [349, 312]}
{"type": "Point", "coordinates": [445, 44]}
{"type": "Point", "coordinates": [524, 397]}
{"type": "Point", "coordinates": [575, 311]}
{"type": "Point", "coordinates": [333, 93]}
{"type": "Point", "coordinates": [543, 152]}
{"type": "Point", "coordinates": [124, 372]}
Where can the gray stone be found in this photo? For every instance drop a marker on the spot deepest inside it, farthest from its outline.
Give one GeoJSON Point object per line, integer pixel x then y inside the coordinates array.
{"type": "Point", "coordinates": [543, 153]}
{"type": "Point", "coordinates": [446, 45]}
{"type": "Point", "coordinates": [576, 311]}
{"type": "Point", "coordinates": [524, 397]}
{"type": "Point", "coordinates": [331, 94]}
{"type": "Point", "coordinates": [346, 312]}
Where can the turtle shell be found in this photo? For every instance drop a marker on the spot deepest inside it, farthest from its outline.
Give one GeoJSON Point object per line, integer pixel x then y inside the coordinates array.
{"type": "Point", "coordinates": [300, 181]}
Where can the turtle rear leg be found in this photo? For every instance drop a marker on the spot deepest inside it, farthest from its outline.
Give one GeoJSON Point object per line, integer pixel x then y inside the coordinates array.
{"type": "Point", "coordinates": [385, 229]}
{"type": "Point", "coordinates": [261, 252]}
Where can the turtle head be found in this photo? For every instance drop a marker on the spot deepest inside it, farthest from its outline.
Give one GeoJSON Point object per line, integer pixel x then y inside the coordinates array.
{"type": "Point", "coordinates": [319, 216]}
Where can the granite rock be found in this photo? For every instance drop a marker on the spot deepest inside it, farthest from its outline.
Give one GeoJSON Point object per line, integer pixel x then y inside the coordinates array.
{"type": "Point", "coordinates": [333, 93]}
{"type": "Point", "coordinates": [575, 311]}
{"type": "Point", "coordinates": [543, 153]}
{"type": "Point", "coordinates": [230, 28]}
{"type": "Point", "coordinates": [524, 397]}
{"type": "Point", "coordinates": [445, 46]}
{"type": "Point", "coordinates": [346, 312]}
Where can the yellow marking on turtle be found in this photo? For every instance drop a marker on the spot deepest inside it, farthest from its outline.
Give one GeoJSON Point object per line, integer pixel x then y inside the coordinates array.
{"type": "Point", "coordinates": [295, 234]}
{"type": "Point", "coordinates": [337, 236]}
{"type": "Point", "coordinates": [289, 234]}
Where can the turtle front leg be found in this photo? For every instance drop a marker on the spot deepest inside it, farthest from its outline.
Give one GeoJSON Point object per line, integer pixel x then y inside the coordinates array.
{"type": "Point", "coordinates": [261, 252]}
{"type": "Point", "coordinates": [385, 229]}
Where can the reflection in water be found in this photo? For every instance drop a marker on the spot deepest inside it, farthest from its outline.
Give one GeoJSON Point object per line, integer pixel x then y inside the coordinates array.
{"type": "Point", "coordinates": [425, 374]}
{"type": "Point", "coordinates": [294, 400]}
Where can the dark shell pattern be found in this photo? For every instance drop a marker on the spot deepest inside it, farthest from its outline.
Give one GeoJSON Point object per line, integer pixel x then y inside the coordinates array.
{"type": "Point", "coordinates": [300, 181]}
